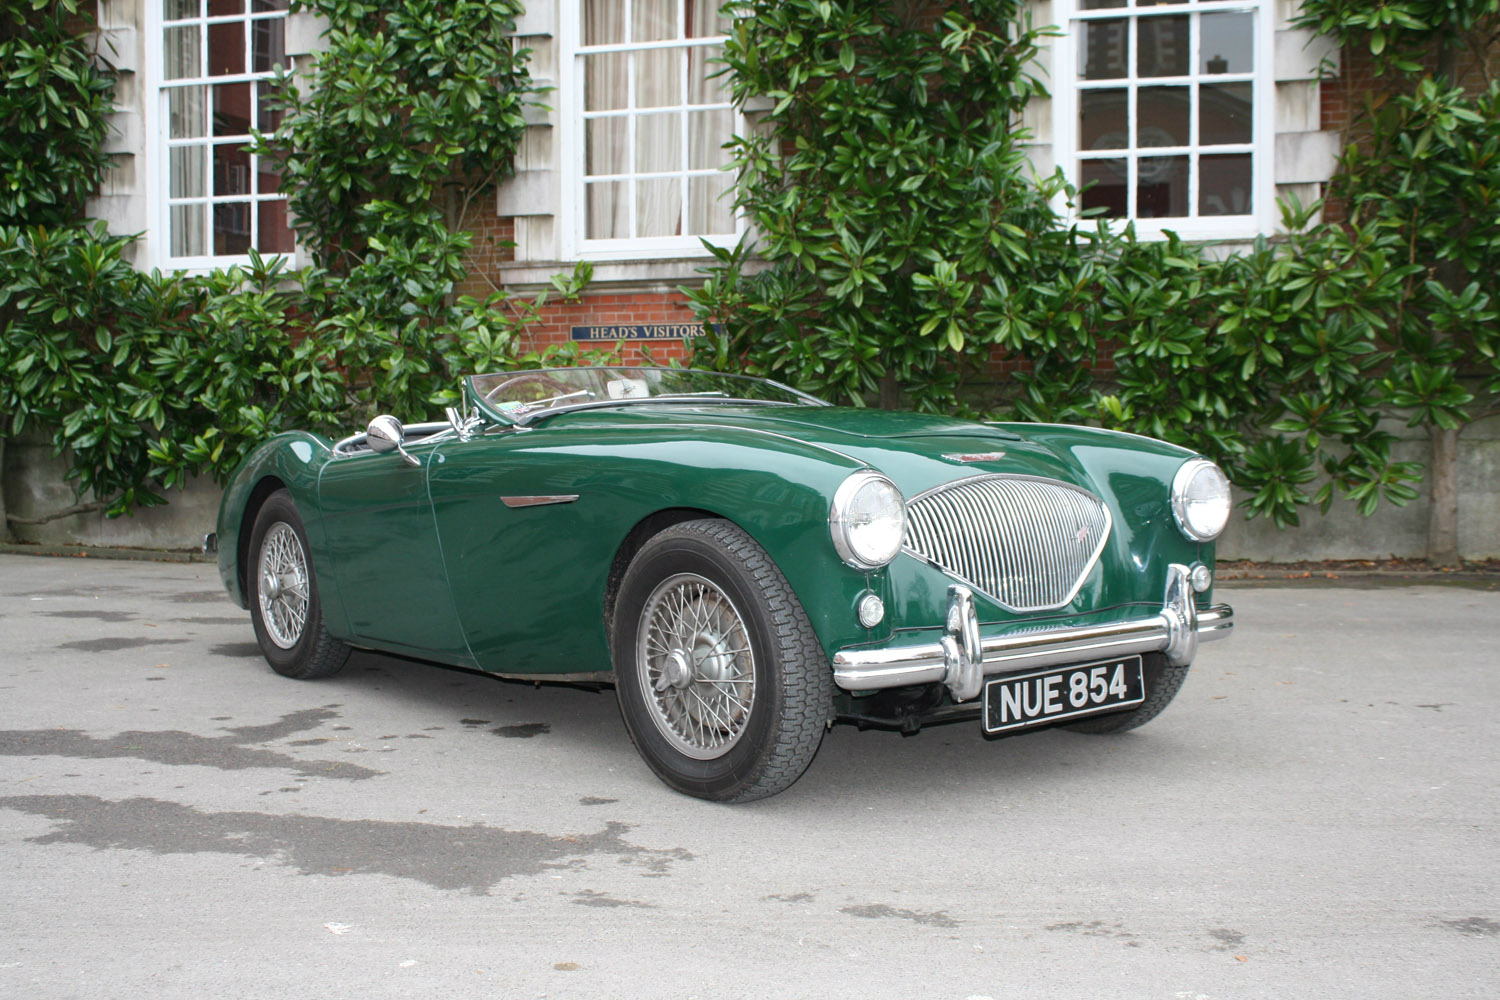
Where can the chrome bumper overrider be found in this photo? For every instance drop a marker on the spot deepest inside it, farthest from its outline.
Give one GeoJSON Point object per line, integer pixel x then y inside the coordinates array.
{"type": "Point", "coordinates": [962, 660]}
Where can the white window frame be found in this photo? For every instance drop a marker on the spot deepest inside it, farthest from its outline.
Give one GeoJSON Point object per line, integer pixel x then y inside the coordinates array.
{"type": "Point", "coordinates": [157, 158]}
{"type": "Point", "coordinates": [1066, 85]}
{"type": "Point", "coordinates": [572, 212]}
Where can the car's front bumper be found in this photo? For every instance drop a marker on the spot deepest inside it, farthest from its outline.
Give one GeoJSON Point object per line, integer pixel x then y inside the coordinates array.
{"type": "Point", "coordinates": [962, 659]}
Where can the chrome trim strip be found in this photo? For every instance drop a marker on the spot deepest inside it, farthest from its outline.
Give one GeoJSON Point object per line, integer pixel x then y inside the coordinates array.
{"type": "Point", "coordinates": [1176, 631]}
{"type": "Point", "coordinates": [539, 501]}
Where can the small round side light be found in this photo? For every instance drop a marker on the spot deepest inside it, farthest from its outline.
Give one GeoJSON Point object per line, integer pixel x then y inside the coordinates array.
{"type": "Point", "coordinates": [871, 610]}
{"type": "Point", "coordinates": [1201, 578]}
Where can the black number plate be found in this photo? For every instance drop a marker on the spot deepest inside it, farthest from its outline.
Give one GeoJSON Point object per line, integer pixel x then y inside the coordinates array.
{"type": "Point", "coordinates": [1049, 696]}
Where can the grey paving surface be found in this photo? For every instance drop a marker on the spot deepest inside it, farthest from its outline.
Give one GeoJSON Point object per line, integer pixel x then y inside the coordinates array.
{"type": "Point", "coordinates": [1314, 817]}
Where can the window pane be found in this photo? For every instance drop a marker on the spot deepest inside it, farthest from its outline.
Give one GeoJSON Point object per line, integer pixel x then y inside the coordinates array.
{"type": "Point", "coordinates": [188, 177]}
{"type": "Point", "coordinates": [268, 42]}
{"type": "Point", "coordinates": [232, 228]}
{"type": "Point", "coordinates": [654, 20]}
{"type": "Point", "coordinates": [176, 10]}
{"type": "Point", "coordinates": [1101, 4]}
{"type": "Point", "coordinates": [187, 230]}
{"type": "Point", "coordinates": [708, 131]}
{"type": "Point", "coordinates": [1105, 180]}
{"type": "Point", "coordinates": [605, 143]}
{"type": "Point", "coordinates": [1102, 119]}
{"type": "Point", "coordinates": [658, 207]}
{"type": "Point", "coordinates": [187, 113]}
{"type": "Point", "coordinates": [183, 52]}
{"type": "Point", "coordinates": [1225, 185]}
{"type": "Point", "coordinates": [232, 109]}
{"type": "Point", "coordinates": [226, 48]}
{"type": "Point", "coordinates": [1161, 187]}
{"type": "Point", "coordinates": [274, 235]}
{"type": "Point", "coordinates": [1102, 54]}
{"type": "Point", "coordinates": [231, 170]}
{"type": "Point", "coordinates": [1163, 115]}
{"type": "Point", "coordinates": [658, 143]}
{"type": "Point", "coordinates": [608, 212]}
{"type": "Point", "coordinates": [1164, 46]}
{"type": "Point", "coordinates": [711, 204]}
{"type": "Point", "coordinates": [225, 8]}
{"type": "Point", "coordinates": [1224, 113]}
{"type": "Point", "coordinates": [1228, 43]}
{"type": "Point", "coordinates": [658, 78]}
{"type": "Point", "coordinates": [608, 78]}
{"type": "Point", "coordinates": [703, 86]}
{"type": "Point", "coordinates": [706, 20]}
{"type": "Point", "coordinates": [266, 119]}
{"type": "Point", "coordinates": [261, 5]}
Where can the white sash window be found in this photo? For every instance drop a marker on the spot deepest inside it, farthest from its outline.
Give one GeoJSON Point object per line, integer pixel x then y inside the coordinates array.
{"type": "Point", "coordinates": [212, 61]}
{"type": "Point", "coordinates": [646, 120]}
{"type": "Point", "coordinates": [1164, 110]}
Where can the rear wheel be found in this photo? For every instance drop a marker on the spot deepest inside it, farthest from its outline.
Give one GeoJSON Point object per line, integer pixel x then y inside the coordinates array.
{"type": "Point", "coordinates": [1162, 684]}
{"type": "Point", "coordinates": [283, 593]}
{"type": "Point", "coordinates": [722, 683]}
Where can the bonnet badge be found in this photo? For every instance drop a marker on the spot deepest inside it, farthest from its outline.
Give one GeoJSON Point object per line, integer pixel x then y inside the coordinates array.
{"type": "Point", "coordinates": [975, 456]}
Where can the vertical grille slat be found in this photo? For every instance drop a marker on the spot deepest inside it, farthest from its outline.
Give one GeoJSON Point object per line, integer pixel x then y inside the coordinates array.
{"type": "Point", "coordinates": [1026, 542]}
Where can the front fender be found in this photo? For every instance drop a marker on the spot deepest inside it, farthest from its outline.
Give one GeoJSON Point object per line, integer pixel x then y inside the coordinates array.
{"type": "Point", "coordinates": [293, 460]}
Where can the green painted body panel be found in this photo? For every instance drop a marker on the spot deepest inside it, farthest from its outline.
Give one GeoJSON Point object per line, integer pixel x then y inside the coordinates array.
{"type": "Point", "coordinates": [430, 561]}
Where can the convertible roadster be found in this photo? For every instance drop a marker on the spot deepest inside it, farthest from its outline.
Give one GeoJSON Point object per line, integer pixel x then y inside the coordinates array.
{"type": "Point", "coordinates": [745, 563]}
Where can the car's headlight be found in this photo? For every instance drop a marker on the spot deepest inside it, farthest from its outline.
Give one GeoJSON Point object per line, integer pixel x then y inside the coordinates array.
{"type": "Point", "coordinates": [1200, 499]}
{"type": "Point", "coordinates": [868, 520]}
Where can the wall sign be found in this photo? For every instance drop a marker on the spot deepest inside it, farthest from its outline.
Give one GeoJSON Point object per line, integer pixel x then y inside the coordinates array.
{"type": "Point", "coordinates": [638, 331]}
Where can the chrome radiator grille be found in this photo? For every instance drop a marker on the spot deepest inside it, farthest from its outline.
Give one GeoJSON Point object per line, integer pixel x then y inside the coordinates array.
{"type": "Point", "coordinates": [1028, 543]}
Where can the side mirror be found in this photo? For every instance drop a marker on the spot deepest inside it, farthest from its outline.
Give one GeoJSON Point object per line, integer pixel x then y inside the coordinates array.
{"type": "Point", "coordinates": [385, 434]}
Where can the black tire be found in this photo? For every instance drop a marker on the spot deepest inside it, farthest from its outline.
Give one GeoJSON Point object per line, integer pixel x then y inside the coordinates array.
{"type": "Point", "coordinates": [704, 588]}
{"type": "Point", "coordinates": [1162, 684]}
{"type": "Point", "coordinates": [302, 651]}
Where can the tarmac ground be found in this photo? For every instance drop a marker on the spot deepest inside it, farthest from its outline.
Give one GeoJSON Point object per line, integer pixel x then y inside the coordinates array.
{"type": "Point", "coordinates": [1314, 816]}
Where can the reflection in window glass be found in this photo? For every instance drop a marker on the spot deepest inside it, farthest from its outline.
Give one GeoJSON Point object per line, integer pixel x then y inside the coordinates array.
{"type": "Point", "coordinates": [1228, 44]}
{"type": "Point", "coordinates": [1224, 113]}
{"type": "Point", "coordinates": [1163, 116]}
{"type": "Point", "coordinates": [1162, 186]}
{"type": "Point", "coordinates": [1225, 185]}
{"type": "Point", "coordinates": [1102, 119]}
{"type": "Point", "coordinates": [1104, 181]}
{"type": "Point", "coordinates": [1165, 47]}
{"type": "Point", "coordinates": [1104, 48]}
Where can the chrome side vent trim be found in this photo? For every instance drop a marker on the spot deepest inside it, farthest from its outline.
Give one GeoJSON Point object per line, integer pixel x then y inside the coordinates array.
{"type": "Point", "coordinates": [1025, 542]}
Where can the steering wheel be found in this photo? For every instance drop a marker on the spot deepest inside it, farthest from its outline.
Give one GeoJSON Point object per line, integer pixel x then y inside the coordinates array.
{"type": "Point", "coordinates": [530, 378]}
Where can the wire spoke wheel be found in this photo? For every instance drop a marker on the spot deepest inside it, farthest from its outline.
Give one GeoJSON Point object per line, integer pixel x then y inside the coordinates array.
{"type": "Point", "coordinates": [283, 590]}
{"type": "Point", "coordinates": [722, 684]}
{"type": "Point", "coordinates": [281, 587]}
{"type": "Point", "coordinates": [699, 669]}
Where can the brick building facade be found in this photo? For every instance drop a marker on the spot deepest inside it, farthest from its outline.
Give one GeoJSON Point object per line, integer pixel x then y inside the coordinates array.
{"type": "Point", "coordinates": [1191, 115]}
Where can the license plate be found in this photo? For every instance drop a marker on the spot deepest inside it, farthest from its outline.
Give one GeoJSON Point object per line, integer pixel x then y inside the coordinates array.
{"type": "Point", "coordinates": [1049, 696]}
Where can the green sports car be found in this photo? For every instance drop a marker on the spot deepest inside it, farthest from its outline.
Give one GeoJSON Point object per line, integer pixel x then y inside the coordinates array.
{"type": "Point", "coordinates": [745, 563]}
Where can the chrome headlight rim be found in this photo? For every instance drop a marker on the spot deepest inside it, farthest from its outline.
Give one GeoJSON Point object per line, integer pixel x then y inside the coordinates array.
{"type": "Point", "coordinates": [839, 525]}
{"type": "Point", "coordinates": [1182, 483]}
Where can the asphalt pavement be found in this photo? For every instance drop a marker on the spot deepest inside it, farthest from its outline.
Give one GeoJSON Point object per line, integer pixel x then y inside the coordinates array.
{"type": "Point", "coordinates": [1314, 816]}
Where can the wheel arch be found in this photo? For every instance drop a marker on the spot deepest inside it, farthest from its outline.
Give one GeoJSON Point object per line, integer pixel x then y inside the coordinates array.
{"type": "Point", "coordinates": [259, 494]}
{"type": "Point", "coordinates": [639, 534]}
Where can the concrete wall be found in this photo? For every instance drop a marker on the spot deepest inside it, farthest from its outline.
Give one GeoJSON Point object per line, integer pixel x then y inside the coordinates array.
{"type": "Point", "coordinates": [33, 483]}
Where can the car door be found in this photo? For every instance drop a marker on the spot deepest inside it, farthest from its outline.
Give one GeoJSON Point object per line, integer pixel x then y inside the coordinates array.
{"type": "Point", "coordinates": [528, 536]}
{"type": "Point", "coordinates": [383, 550]}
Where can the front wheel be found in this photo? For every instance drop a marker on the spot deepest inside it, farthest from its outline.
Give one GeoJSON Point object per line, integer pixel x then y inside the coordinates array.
{"type": "Point", "coordinates": [722, 683]}
{"type": "Point", "coordinates": [283, 592]}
